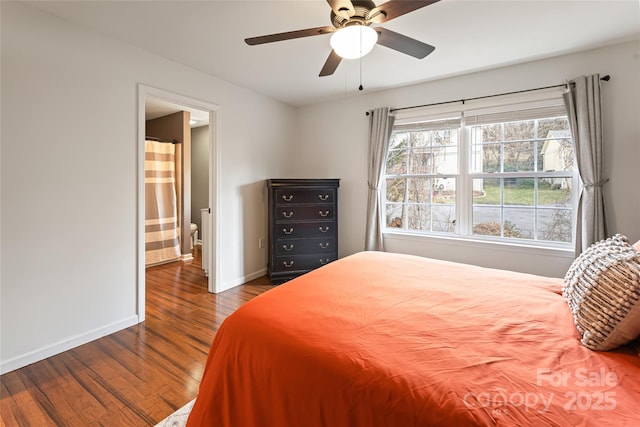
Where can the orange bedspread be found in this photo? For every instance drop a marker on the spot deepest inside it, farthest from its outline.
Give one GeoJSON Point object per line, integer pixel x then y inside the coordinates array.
{"type": "Point", "coordinates": [379, 339]}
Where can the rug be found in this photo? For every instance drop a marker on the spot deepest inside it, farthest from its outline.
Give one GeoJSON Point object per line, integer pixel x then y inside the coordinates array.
{"type": "Point", "coordinates": [178, 418]}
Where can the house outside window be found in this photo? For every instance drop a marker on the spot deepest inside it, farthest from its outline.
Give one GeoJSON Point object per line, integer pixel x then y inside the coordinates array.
{"type": "Point", "coordinates": [500, 169]}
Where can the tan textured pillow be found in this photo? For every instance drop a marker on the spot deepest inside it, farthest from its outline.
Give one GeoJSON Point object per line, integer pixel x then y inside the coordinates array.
{"type": "Point", "coordinates": [602, 289]}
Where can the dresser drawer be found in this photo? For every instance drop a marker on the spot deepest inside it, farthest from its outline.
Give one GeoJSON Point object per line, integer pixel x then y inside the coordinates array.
{"type": "Point", "coordinates": [305, 246]}
{"type": "Point", "coordinates": [311, 212]}
{"type": "Point", "coordinates": [288, 196]}
{"type": "Point", "coordinates": [295, 230]}
{"type": "Point", "coordinates": [301, 262]}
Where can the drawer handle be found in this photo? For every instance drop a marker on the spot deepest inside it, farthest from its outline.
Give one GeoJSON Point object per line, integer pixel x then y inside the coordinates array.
{"type": "Point", "coordinates": [323, 197]}
{"type": "Point", "coordinates": [287, 248]}
{"type": "Point", "coordinates": [323, 261]}
{"type": "Point", "coordinates": [323, 213]}
{"type": "Point", "coordinates": [289, 231]}
{"type": "Point", "coordinates": [323, 229]}
{"type": "Point", "coordinates": [287, 214]}
{"type": "Point", "coordinates": [288, 264]}
{"type": "Point", "coordinates": [323, 245]}
{"type": "Point", "coordinates": [287, 198]}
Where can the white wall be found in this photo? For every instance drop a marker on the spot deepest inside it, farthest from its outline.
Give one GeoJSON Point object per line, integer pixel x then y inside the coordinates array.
{"type": "Point", "coordinates": [333, 140]}
{"type": "Point", "coordinates": [68, 224]}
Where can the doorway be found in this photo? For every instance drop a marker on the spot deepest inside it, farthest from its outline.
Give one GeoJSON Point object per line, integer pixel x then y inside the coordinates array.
{"type": "Point", "coordinates": [153, 103]}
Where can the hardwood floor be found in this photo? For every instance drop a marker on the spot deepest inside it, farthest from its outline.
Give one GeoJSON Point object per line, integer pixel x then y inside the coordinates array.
{"type": "Point", "coordinates": [137, 376]}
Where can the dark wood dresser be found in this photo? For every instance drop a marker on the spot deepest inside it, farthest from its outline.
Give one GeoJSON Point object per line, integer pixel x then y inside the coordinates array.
{"type": "Point", "coordinates": [303, 226]}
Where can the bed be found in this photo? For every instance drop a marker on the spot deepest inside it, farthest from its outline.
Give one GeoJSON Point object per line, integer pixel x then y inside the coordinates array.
{"type": "Point", "coordinates": [380, 339]}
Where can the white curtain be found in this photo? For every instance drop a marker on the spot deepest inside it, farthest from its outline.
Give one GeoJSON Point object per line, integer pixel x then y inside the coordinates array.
{"type": "Point", "coordinates": [584, 108]}
{"type": "Point", "coordinates": [161, 213]}
{"type": "Point", "coordinates": [380, 126]}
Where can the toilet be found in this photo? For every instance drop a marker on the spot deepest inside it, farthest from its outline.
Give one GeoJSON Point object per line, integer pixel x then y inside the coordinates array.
{"type": "Point", "coordinates": [194, 235]}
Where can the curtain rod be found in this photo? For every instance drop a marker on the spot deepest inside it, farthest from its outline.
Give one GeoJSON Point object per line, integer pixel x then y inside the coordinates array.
{"type": "Point", "coordinates": [604, 78]}
{"type": "Point", "coordinates": [170, 141]}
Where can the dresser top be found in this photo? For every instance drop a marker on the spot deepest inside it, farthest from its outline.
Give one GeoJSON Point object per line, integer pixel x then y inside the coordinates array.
{"type": "Point", "coordinates": [303, 182]}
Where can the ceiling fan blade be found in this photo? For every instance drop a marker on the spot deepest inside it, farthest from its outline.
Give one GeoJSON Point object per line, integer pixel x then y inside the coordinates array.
{"type": "Point", "coordinates": [404, 44]}
{"type": "Point", "coordinates": [289, 35]}
{"type": "Point", "coordinates": [394, 8]}
{"type": "Point", "coordinates": [331, 64]}
{"type": "Point", "coordinates": [343, 8]}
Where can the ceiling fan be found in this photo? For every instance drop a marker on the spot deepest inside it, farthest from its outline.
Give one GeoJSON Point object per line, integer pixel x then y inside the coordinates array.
{"type": "Point", "coordinates": [356, 16]}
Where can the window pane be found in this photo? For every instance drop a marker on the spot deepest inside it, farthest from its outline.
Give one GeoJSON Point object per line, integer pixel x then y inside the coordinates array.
{"type": "Point", "coordinates": [444, 218]}
{"type": "Point", "coordinates": [554, 192]}
{"type": "Point", "coordinates": [394, 214]}
{"type": "Point", "coordinates": [397, 162]}
{"type": "Point", "coordinates": [518, 131]}
{"type": "Point", "coordinates": [519, 223]}
{"type": "Point", "coordinates": [555, 224]}
{"type": "Point", "coordinates": [399, 141]}
{"type": "Point", "coordinates": [420, 161]}
{"type": "Point", "coordinates": [443, 209]}
{"type": "Point", "coordinates": [419, 217]}
{"type": "Point", "coordinates": [556, 152]}
{"type": "Point", "coordinates": [445, 137]}
{"type": "Point", "coordinates": [396, 189]}
{"type": "Point", "coordinates": [446, 160]}
{"type": "Point", "coordinates": [485, 154]}
{"type": "Point", "coordinates": [491, 133]}
{"type": "Point", "coordinates": [519, 156]}
{"type": "Point", "coordinates": [491, 158]}
{"type": "Point", "coordinates": [556, 124]}
{"type": "Point", "coordinates": [519, 191]}
{"type": "Point", "coordinates": [486, 192]}
{"type": "Point", "coordinates": [397, 154]}
{"type": "Point", "coordinates": [487, 158]}
{"type": "Point", "coordinates": [444, 190]}
{"type": "Point", "coordinates": [420, 139]}
{"type": "Point", "coordinates": [419, 190]}
{"type": "Point", "coordinates": [487, 209]}
{"type": "Point", "coordinates": [486, 220]}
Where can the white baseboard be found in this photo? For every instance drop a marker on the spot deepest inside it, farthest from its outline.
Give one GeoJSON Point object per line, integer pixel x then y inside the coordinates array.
{"type": "Point", "coordinates": [75, 341]}
{"type": "Point", "coordinates": [64, 345]}
{"type": "Point", "coordinates": [244, 279]}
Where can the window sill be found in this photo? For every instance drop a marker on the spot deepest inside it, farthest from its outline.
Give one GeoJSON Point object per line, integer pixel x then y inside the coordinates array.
{"type": "Point", "coordinates": [483, 244]}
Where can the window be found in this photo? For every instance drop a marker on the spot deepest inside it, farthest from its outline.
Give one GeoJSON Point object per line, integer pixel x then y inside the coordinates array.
{"type": "Point", "coordinates": [422, 173]}
{"type": "Point", "coordinates": [500, 170]}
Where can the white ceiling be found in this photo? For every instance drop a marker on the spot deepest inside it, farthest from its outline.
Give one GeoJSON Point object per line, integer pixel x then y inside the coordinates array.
{"type": "Point", "coordinates": [469, 35]}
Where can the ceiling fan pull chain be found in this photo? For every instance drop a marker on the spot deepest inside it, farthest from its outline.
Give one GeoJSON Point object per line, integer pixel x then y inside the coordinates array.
{"type": "Point", "coordinates": [360, 87]}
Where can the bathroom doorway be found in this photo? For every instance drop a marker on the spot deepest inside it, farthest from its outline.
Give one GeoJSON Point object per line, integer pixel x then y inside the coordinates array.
{"type": "Point", "coordinates": [157, 107]}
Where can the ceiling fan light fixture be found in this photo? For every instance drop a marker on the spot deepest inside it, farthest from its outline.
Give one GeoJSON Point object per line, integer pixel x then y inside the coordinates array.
{"type": "Point", "coordinates": [353, 41]}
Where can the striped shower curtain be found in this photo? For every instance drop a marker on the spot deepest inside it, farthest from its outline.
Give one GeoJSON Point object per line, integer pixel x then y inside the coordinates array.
{"type": "Point", "coordinates": [161, 214]}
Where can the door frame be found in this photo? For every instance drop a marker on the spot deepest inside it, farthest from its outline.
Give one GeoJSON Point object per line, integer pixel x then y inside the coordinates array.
{"type": "Point", "coordinates": [213, 279]}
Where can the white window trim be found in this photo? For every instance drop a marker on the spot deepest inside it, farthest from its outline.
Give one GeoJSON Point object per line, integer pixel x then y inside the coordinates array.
{"type": "Point", "coordinates": [533, 99]}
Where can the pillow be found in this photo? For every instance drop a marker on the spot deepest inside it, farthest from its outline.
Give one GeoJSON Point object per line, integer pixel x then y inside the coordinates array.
{"type": "Point", "coordinates": [602, 289]}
